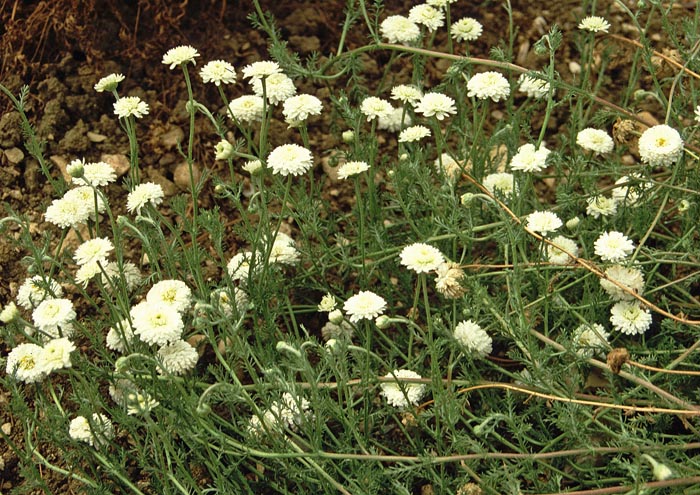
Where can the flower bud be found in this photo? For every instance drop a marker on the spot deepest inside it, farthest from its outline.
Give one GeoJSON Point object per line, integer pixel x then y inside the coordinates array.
{"type": "Point", "coordinates": [382, 322]}
{"type": "Point", "coordinates": [684, 205]}
{"type": "Point", "coordinates": [466, 199]}
{"type": "Point", "coordinates": [348, 136]}
{"type": "Point", "coordinates": [9, 313]}
{"type": "Point", "coordinates": [284, 347]}
{"type": "Point", "coordinates": [572, 223]}
{"type": "Point", "coordinates": [253, 167]}
{"type": "Point", "coordinates": [223, 150]}
{"type": "Point", "coordinates": [76, 169]}
{"type": "Point", "coordinates": [336, 317]}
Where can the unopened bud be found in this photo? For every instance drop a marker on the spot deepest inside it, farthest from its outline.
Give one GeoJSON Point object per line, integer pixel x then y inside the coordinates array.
{"type": "Point", "coordinates": [76, 169]}
{"type": "Point", "coordinates": [348, 136]}
{"type": "Point", "coordinates": [336, 317]}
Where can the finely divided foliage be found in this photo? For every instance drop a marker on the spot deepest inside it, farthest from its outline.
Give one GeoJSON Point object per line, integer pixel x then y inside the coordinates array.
{"type": "Point", "coordinates": [479, 290]}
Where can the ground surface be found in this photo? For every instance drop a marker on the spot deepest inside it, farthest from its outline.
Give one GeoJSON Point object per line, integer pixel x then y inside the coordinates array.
{"type": "Point", "coordinates": [61, 57]}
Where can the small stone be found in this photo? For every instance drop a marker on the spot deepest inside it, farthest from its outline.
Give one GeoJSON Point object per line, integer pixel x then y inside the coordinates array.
{"type": "Point", "coordinates": [94, 137]}
{"type": "Point", "coordinates": [171, 138]}
{"type": "Point", "coordinates": [61, 162]}
{"type": "Point", "coordinates": [120, 163]}
{"type": "Point", "coordinates": [181, 175]}
{"type": "Point", "coordinates": [6, 428]}
{"type": "Point", "coordinates": [169, 188]}
{"type": "Point", "coordinates": [14, 155]}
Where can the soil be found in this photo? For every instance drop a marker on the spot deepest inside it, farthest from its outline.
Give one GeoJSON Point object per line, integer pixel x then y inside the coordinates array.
{"type": "Point", "coordinates": [60, 50]}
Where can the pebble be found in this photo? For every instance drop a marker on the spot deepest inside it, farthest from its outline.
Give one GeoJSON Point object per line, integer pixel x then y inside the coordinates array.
{"type": "Point", "coordinates": [181, 175]}
{"type": "Point", "coordinates": [119, 162]}
{"type": "Point", "coordinates": [170, 138]}
{"type": "Point", "coordinates": [6, 428]}
{"type": "Point", "coordinates": [95, 137]}
{"type": "Point", "coordinates": [14, 155]}
{"type": "Point", "coordinates": [61, 162]}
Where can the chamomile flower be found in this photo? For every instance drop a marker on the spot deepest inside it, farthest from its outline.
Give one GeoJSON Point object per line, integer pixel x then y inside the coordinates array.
{"type": "Point", "coordinates": [448, 280]}
{"type": "Point", "coordinates": [176, 358]}
{"type": "Point", "coordinates": [238, 266]}
{"type": "Point", "coordinates": [109, 83]}
{"type": "Point", "coordinates": [93, 250]}
{"type": "Point", "coordinates": [218, 72]}
{"type": "Point", "coordinates": [425, 15]}
{"type": "Point", "coordinates": [260, 69]}
{"type": "Point", "coordinates": [448, 166]}
{"type": "Point", "coordinates": [120, 336]}
{"type": "Point", "coordinates": [534, 87]}
{"type": "Point", "coordinates": [406, 94]}
{"type": "Point", "coordinates": [9, 313]}
{"type": "Point", "coordinates": [466, 29]}
{"type": "Point", "coordinates": [180, 55]}
{"type": "Point", "coordinates": [278, 87]}
{"type": "Point", "coordinates": [56, 354]}
{"type": "Point", "coordinates": [223, 150]}
{"type": "Point", "coordinates": [543, 222]}
{"type": "Point", "coordinates": [96, 174]}
{"type": "Point", "coordinates": [595, 140]}
{"type": "Point", "coordinates": [697, 114]}
{"type": "Point", "coordinates": [142, 195]}
{"type": "Point", "coordinates": [252, 166]}
{"type": "Point", "coordinates": [630, 277]}
{"type": "Point", "coordinates": [72, 209]}
{"type": "Point", "coordinates": [36, 289]}
{"type": "Point", "coordinates": [598, 206]}
{"type": "Point", "coordinates": [437, 105]}
{"type": "Point", "coordinates": [557, 253]}
{"type": "Point", "coordinates": [172, 293]}
{"type": "Point", "coordinates": [365, 305]}
{"type": "Point", "coordinates": [402, 394]}
{"type": "Point", "coordinates": [421, 257]}
{"type": "Point", "coordinates": [95, 433]}
{"type": "Point", "coordinates": [128, 106]}
{"type": "Point", "coordinates": [473, 338]}
{"type": "Point", "coordinates": [529, 159]}
{"type": "Point", "coordinates": [501, 184]}
{"type": "Point", "coordinates": [613, 246]}
{"type": "Point", "coordinates": [394, 120]}
{"type": "Point", "coordinates": [24, 363]}
{"type": "Point", "coordinates": [87, 272]}
{"type": "Point", "coordinates": [298, 108]}
{"type": "Point", "coordinates": [290, 159]}
{"type": "Point", "coordinates": [629, 317]}
{"type": "Point", "coordinates": [284, 250]}
{"type": "Point", "coordinates": [629, 190]}
{"type": "Point", "coordinates": [247, 108]}
{"type": "Point", "coordinates": [328, 303]}
{"type": "Point", "coordinates": [156, 323]}
{"type": "Point", "coordinates": [54, 317]}
{"type": "Point", "coordinates": [660, 146]}
{"type": "Point", "coordinates": [487, 85]}
{"type": "Point", "coordinates": [590, 339]}
{"type": "Point", "coordinates": [399, 29]}
{"type": "Point", "coordinates": [594, 24]}
{"type": "Point", "coordinates": [350, 169]}
{"type": "Point", "coordinates": [86, 197]}
{"type": "Point", "coordinates": [374, 107]}
{"type": "Point", "coordinates": [414, 133]}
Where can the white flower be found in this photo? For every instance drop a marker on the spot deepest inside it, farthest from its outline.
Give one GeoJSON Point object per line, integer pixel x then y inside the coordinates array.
{"type": "Point", "coordinates": [24, 363]}
{"type": "Point", "coordinates": [364, 305]}
{"type": "Point", "coordinates": [74, 208]}
{"type": "Point", "coordinates": [247, 108]}
{"type": "Point", "coordinates": [95, 174]}
{"type": "Point", "coordinates": [180, 55]}
{"type": "Point", "coordinates": [613, 246]}
{"type": "Point", "coordinates": [440, 3]}
{"type": "Point", "coordinates": [529, 159]}
{"type": "Point", "coordinates": [559, 256]}
{"type": "Point", "coordinates": [427, 16]}
{"type": "Point", "coordinates": [629, 317]}
{"type": "Point", "coordinates": [172, 293]}
{"type": "Point", "coordinates": [448, 280]}
{"type": "Point", "coordinates": [54, 315]}
{"type": "Point", "coordinates": [436, 104]}
{"type": "Point", "coordinates": [35, 289]}
{"type": "Point", "coordinates": [93, 250]}
{"type": "Point", "coordinates": [140, 402]}
{"type": "Point", "coordinates": [9, 312]}
{"type": "Point", "coordinates": [225, 300]}
{"type": "Point", "coordinates": [543, 222]}
{"type": "Point", "coordinates": [239, 266]}
{"type": "Point", "coordinates": [283, 250]}
{"type": "Point", "coordinates": [406, 93]}
{"type": "Point", "coordinates": [534, 87]}
{"type": "Point", "coordinates": [142, 195]}
{"type": "Point", "coordinates": [630, 277]}
{"type": "Point", "coordinates": [415, 133]}
{"type": "Point", "coordinates": [399, 29]}
{"type": "Point", "coordinates": [86, 272]}
{"type": "Point", "coordinates": [594, 24]}
{"type": "Point", "coordinates": [448, 166]}
{"type": "Point", "coordinates": [394, 120]}
{"type": "Point", "coordinates": [598, 206]}
{"type": "Point", "coordinates": [697, 113]}
{"type": "Point", "coordinates": [218, 72]}
{"type": "Point", "coordinates": [660, 146]}
{"type": "Point", "coordinates": [260, 69]}
{"type": "Point", "coordinates": [421, 258]}
{"type": "Point", "coordinates": [373, 107]}
{"type": "Point", "coordinates": [298, 108]}
{"type": "Point", "coordinates": [402, 394]}
{"type": "Point", "coordinates": [626, 193]}
{"type": "Point", "coordinates": [86, 196]}
{"type": "Point", "coordinates": [278, 87]}
{"type": "Point", "coordinates": [474, 338]}
{"type": "Point", "coordinates": [56, 354]}
{"type": "Point", "coordinates": [223, 150]}
{"type": "Point", "coordinates": [501, 184]}
{"type": "Point", "coordinates": [156, 323]}
{"type": "Point", "coordinates": [95, 432]}
{"type": "Point", "coordinates": [595, 140]}
{"type": "Point", "coordinates": [327, 304]}
{"type": "Point", "coordinates": [466, 29]}
{"type": "Point", "coordinates": [177, 358]}
{"type": "Point", "coordinates": [120, 336]}
{"type": "Point", "coordinates": [290, 159]}
{"type": "Point", "coordinates": [488, 85]}
{"type": "Point", "coordinates": [252, 166]}
{"type": "Point", "coordinates": [109, 82]}
{"type": "Point", "coordinates": [590, 339]}
{"type": "Point", "coordinates": [349, 169]}
{"type": "Point", "coordinates": [127, 106]}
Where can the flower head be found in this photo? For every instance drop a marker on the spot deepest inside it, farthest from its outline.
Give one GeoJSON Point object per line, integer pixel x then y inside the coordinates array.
{"type": "Point", "coordinates": [172, 293]}
{"type": "Point", "coordinates": [109, 83]}
{"type": "Point", "coordinates": [298, 108]}
{"type": "Point", "coordinates": [35, 289]}
{"type": "Point", "coordinates": [156, 323]}
{"type": "Point", "coordinates": [284, 250]}
{"type": "Point", "coordinates": [260, 69]}
{"type": "Point", "coordinates": [629, 317]}
{"type": "Point", "coordinates": [9, 312]}
{"type": "Point", "coordinates": [350, 169]}
{"type": "Point", "coordinates": [95, 432]}
{"type": "Point", "coordinates": [394, 120]}
{"type": "Point", "coordinates": [489, 84]}
{"type": "Point", "coordinates": [427, 16]}
{"type": "Point", "coordinates": [328, 303]}
{"type": "Point", "coordinates": [403, 394]}
{"type": "Point", "coordinates": [660, 146]}
{"type": "Point", "coordinates": [120, 336]}
{"type": "Point", "coordinates": [127, 106]}
{"type": "Point", "coordinates": [448, 166]}
{"type": "Point", "coordinates": [436, 104]}
{"type": "Point", "coordinates": [630, 277]}
{"type": "Point", "coordinates": [56, 354]}
{"type": "Point", "coordinates": [177, 358]}
{"type": "Point", "coordinates": [529, 159]}
{"type": "Point", "coordinates": [142, 195]}
{"type": "Point", "coordinates": [218, 72]}
{"type": "Point", "coordinates": [628, 193]}
{"type": "Point", "coordinates": [223, 150]}
{"type": "Point", "coordinates": [278, 87]}
{"type": "Point", "coordinates": [238, 266]}
{"type": "Point", "coordinates": [54, 316]}
{"type": "Point", "coordinates": [613, 246]}
{"type": "Point", "coordinates": [594, 24]}
{"type": "Point", "coordinates": [543, 222]}
{"type": "Point", "coordinates": [534, 87]}
{"type": "Point", "coordinates": [448, 281]}
{"type": "Point", "coordinates": [421, 258]}
{"type": "Point", "coordinates": [473, 338]}
{"type": "Point", "coordinates": [364, 305]}
{"type": "Point", "coordinates": [598, 206]}
{"type": "Point", "coordinates": [595, 140]}
{"type": "Point", "coordinates": [75, 207]}
{"type": "Point", "coordinates": [406, 93]}
{"type": "Point", "coordinates": [86, 272]}
{"type": "Point", "coordinates": [557, 254]}
{"type": "Point", "coordinates": [412, 134]}
{"type": "Point", "coordinates": [93, 250]}
{"type": "Point", "coordinates": [501, 184]}
{"type": "Point", "coordinates": [290, 159]}
{"type": "Point", "coordinates": [466, 29]}
{"type": "Point", "coordinates": [96, 175]}
{"type": "Point", "coordinates": [590, 339]}
{"type": "Point", "coordinates": [247, 108]}
{"type": "Point", "coordinates": [24, 363]}
{"type": "Point", "coordinates": [180, 55]}
{"type": "Point", "coordinates": [399, 29]}
{"type": "Point", "coordinates": [373, 107]}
